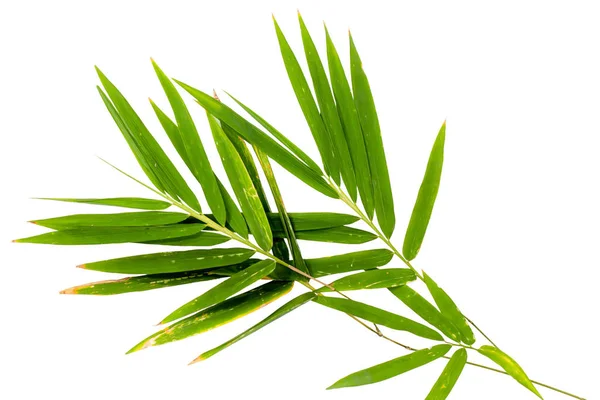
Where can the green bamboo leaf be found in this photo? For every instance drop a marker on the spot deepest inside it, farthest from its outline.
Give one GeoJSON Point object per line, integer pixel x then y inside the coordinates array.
{"type": "Point", "coordinates": [175, 261]}
{"type": "Point", "coordinates": [450, 310]}
{"type": "Point", "coordinates": [509, 365]}
{"type": "Point", "coordinates": [286, 223]}
{"type": "Point", "coordinates": [223, 290]}
{"type": "Point", "coordinates": [392, 368]}
{"type": "Point", "coordinates": [153, 160]}
{"type": "Point", "coordinates": [351, 125]}
{"type": "Point", "coordinates": [426, 198]}
{"type": "Point", "coordinates": [367, 114]}
{"type": "Point", "coordinates": [112, 234]}
{"type": "Point", "coordinates": [126, 202]}
{"type": "Point", "coordinates": [312, 220]}
{"type": "Point", "coordinates": [341, 263]}
{"type": "Point", "coordinates": [234, 216]}
{"type": "Point", "coordinates": [445, 383]}
{"type": "Point", "coordinates": [196, 157]}
{"type": "Point", "coordinates": [308, 105]}
{"type": "Point", "coordinates": [328, 110]}
{"type": "Point", "coordinates": [373, 279]}
{"type": "Point", "coordinates": [198, 239]}
{"type": "Point", "coordinates": [141, 283]}
{"type": "Point", "coordinates": [426, 310]}
{"type": "Point", "coordinates": [217, 315]}
{"type": "Point", "coordinates": [340, 234]}
{"type": "Point", "coordinates": [140, 218]}
{"type": "Point", "coordinates": [242, 187]}
{"type": "Point", "coordinates": [280, 312]}
{"type": "Point", "coordinates": [256, 137]}
{"type": "Point", "coordinates": [378, 316]}
{"type": "Point", "coordinates": [280, 136]}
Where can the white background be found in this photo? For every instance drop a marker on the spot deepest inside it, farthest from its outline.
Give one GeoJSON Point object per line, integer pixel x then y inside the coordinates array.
{"type": "Point", "coordinates": [514, 235]}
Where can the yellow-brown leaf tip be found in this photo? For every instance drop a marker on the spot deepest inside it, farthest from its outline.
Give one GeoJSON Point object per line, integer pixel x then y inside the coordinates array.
{"type": "Point", "coordinates": [33, 222]}
{"type": "Point", "coordinates": [444, 124]}
{"type": "Point", "coordinates": [68, 291]}
{"type": "Point", "coordinates": [15, 241]}
{"type": "Point", "coordinates": [82, 266]}
{"type": "Point", "coordinates": [196, 360]}
{"type": "Point", "coordinates": [215, 95]}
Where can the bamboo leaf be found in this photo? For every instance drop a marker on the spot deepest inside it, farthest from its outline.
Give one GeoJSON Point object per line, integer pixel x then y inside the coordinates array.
{"type": "Point", "coordinates": [223, 290]}
{"type": "Point", "coordinates": [217, 315]}
{"type": "Point", "coordinates": [378, 316]}
{"type": "Point", "coordinates": [426, 198]}
{"type": "Point", "coordinates": [141, 283]}
{"type": "Point", "coordinates": [312, 220]}
{"type": "Point", "coordinates": [196, 157]}
{"type": "Point", "coordinates": [256, 137]}
{"type": "Point", "coordinates": [341, 263]}
{"type": "Point", "coordinates": [242, 187]}
{"type": "Point", "coordinates": [340, 234]}
{"type": "Point", "coordinates": [141, 218]}
{"type": "Point", "coordinates": [445, 383]}
{"type": "Point", "coordinates": [280, 136]}
{"type": "Point", "coordinates": [367, 114]}
{"type": "Point", "coordinates": [373, 279]}
{"type": "Point", "coordinates": [308, 105]}
{"type": "Point", "coordinates": [176, 261]}
{"type": "Point", "coordinates": [284, 217]}
{"type": "Point", "coordinates": [112, 234]}
{"type": "Point", "coordinates": [234, 216]}
{"type": "Point", "coordinates": [126, 202]}
{"type": "Point", "coordinates": [450, 310]}
{"type": "Point", "coordinates": [198, 239]}
{"type": "Point", "coordinates": [426, 310]}
{"type": "Point", "coordinates": [153, 160]}
{"type": "Point", "coordinates": [509, 365]}
{"type": "Point", "coordinates": [280, 312]}
{"type": "Point", "coordinates": [351, 125]}
{"type": "Point", "coordinates": [328, 110]}
{"type": "Point", "coordinates": [392, 368]}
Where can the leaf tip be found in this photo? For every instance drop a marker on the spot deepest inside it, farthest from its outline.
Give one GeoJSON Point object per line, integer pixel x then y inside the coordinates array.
{"type": "Point", "coordinates": [72, 290]}
{"type": "Point", "coordinates": [215, 95]}
{"type": "Point", "coordinates": [82, 266]}
{"type": "Point", "coordinates": [197, 360]}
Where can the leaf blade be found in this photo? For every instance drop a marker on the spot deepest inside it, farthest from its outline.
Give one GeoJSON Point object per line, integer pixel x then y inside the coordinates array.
{"type": "Point", "coordinates": [138, 218]}
{"type": "Point", "coordinates": [373, 279]}
{"type": "Point", "coordinates": [378, 316]}
{"type": "Point", "coordinates": [445, 383]}
{"type": "Point", "coordinates": [392, 368]}
{"type": "Point", "coordinates": [224, 290]}
{"type": "Point", "coordinates": [419, 219]}
{"type": "Point", "coordinates": [339, 234]}
{"type": "Point", "coordinates": [126, 202]}
{"type": "Point", "coordinates": [509, 365]}
{"type": "Point", "coordinates": [369, 121]}
{"type": "Point", "coordinates": [354, 261]}
{"type": "Point", "coordinates": [176, 261]}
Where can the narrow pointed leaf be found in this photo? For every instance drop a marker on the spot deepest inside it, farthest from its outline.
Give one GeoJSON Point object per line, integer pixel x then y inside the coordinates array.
{"type": "Point", "coordinates": [312, 220]}
{"type": "Point", "coordinates": [112, 234]}
{"type": "Point", "coordinates": [449, 309]}
{"type": "Point", "coordinates": [328, 110]}
{"type": "Point", "coordinates": [176, 261]}
{"type": "Point", "coordinates": [351, 125]}
{"type": "Point", "coordinates": [373, 279]}
{"type": "Point", "coordinates": [153, 160]}
{"type": "Point", "coordinates": [286, 223]}
{"type": "Point", "coordinates": [242, 187]}
{"type": "Point", "coordinates": [141, 283]}
{"type": "Point", "coordinates": [358, 260]}
{"type": "Point", "coordinates": [224, 290]}
{"type": "Point", "coordinates": [509, 365]}
{"type": "Point", "coordinates": [308, 105]}
{"type": "Point", "coordinates": [367, 114]}
{"type": "Point", "coordinates": [445, 383]}
{"type": "Point", "coordinates": [198, 239]}
{"type": "Point", "coordinates": [378, 316]}
{"type": "Point", "coordinates": [235, 219]}
{"type": "Point", "coordinates": [426, 310]}
{"type": "Point", "coordinates": [141, 218]}
{"type": "Point", "coordinates": [340, 234]}
{"type": "Point", "coordinates": [425, 199]}
{"type": "Point", "coordinates": [126, 202]}
{"type": "Point", "coordinates": [196, 157]}
{"type": "Point", "coordinates": [253, 135]}
{"type": "Point", "coordinates": [280, 136]}
{"type": "Point", "coordinates": [280, 312]}
{"type": "Point", "coordinates": [217, 315]}
{"type": "Point", "coordinates": [392, 368]}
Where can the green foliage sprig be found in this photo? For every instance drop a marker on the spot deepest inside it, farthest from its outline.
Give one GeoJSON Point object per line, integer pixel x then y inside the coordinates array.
{"type": "Point", "coordinates": [344, 124]}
